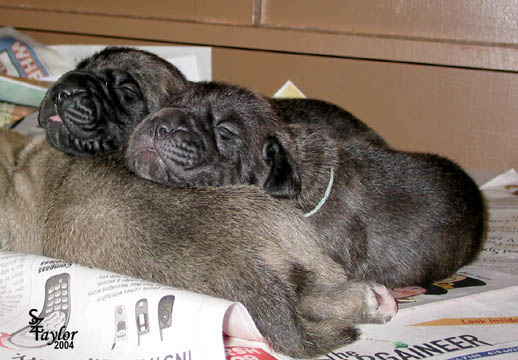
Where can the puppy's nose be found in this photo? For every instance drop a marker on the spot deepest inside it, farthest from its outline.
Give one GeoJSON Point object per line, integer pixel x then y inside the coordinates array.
{"type": "Point", "coordinates": [62, 95]}
{"type": "Point", "coordinates": [167, 125]}
{"type": "Point", "coordinates": [163, 128]}
{"type": "Point", "coordinates": [168, 121]}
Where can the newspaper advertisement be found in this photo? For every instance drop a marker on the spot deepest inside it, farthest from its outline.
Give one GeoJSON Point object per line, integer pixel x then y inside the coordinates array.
{"type": "Point", "coordinates": [50, 309]}
{"type": "Point", "coordinates": [501, 248]}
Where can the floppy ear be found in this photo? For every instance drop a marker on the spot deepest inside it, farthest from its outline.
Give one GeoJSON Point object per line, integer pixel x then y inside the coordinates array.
{"type": "Point", "coordinates": [284, 179]}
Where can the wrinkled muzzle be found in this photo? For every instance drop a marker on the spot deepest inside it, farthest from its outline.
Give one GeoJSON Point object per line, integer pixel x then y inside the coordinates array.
{"type": "Point", "coordinates": [74, 114]}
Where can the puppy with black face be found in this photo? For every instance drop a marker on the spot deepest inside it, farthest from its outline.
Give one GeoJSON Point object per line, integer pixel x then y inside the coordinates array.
{"type": "Point", "coordinates": [395, 217]}
{"type": "Point", "coordinates": [92, 109]}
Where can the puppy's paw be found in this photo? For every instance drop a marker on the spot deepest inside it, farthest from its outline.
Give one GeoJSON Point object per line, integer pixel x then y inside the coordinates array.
{"type": "Point", "coordinates": [381, 305]}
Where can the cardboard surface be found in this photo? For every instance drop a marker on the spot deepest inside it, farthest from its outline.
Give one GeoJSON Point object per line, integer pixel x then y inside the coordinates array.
{"type": "Point", "coordinates": [426, 78]}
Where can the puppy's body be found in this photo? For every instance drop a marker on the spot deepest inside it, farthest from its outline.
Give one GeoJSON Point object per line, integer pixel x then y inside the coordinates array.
{"type": "Point", "coordinates": [235, 242]}
{"type": "Point", "coordinates": [395, 217]}
{"type": "Point", "coordinates": [398, 217]}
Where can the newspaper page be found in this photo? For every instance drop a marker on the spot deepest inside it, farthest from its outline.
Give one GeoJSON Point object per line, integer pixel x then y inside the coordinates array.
{"type": "Point", "coordinates": [21, 93]}
{"type": "Point", "coordinates": [54, 310]}
{"type": "Point", "coordinates": [21, 56]}
{"type": "Point", "coordinates": [501, 249]}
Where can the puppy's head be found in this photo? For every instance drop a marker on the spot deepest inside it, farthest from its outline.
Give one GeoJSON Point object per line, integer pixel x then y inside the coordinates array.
{"type": "Point", "coordinates": [92, 109]}
{"type": "Point", "coordinates": [211, 135]}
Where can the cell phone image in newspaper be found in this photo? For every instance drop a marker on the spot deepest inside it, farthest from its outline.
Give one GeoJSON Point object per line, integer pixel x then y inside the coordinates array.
{"type": "Point", "coordinates": [50, 309]}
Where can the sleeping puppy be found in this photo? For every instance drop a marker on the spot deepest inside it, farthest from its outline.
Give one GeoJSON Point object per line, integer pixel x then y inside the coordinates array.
{"type": "Point", "coordinates": [231, 242]}
{"type": "Point", "coordinates": [395, 217]}
{"type": "Point", "coordinates": [90, 110]}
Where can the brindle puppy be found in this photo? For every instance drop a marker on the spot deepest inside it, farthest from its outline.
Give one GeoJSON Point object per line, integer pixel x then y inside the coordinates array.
{"type": "Point", "coordinates": [232, 242]}
{"type": "Point", "coordinates": [92, 109]}
{"type": "Point", "coordinates": [396, 217]}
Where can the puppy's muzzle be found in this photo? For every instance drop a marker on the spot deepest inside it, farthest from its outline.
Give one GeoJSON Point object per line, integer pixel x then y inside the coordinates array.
{"type": "Point", "coordinates": [79, 112]}
{"type": "Point", "coordinates": [175, 139]}
{"type": "Point", "coordinates": [73, 115]}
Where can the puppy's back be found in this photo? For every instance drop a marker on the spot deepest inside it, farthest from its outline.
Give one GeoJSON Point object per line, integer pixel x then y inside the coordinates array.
{"type": "Point", "coordinates": [339, 122]}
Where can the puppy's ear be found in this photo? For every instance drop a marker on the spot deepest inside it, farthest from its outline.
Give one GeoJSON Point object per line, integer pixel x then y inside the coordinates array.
{"type": "Point", "coordinates": [283, 180]}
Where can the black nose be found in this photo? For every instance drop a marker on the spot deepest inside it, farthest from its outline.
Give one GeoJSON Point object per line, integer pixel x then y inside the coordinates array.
{"type": "Point", "coordinates": [169, 122]}
{"type": "Point", "coordinates": [72, 83]}
{"type": "Point", "coordinates": [62, 95]}
{"type": "Point", "coordinates": [163, 127]}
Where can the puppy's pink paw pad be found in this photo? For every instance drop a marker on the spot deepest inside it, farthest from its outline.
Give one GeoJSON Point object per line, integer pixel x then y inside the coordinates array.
{"type": "Point", "coordinates": [384, 305]}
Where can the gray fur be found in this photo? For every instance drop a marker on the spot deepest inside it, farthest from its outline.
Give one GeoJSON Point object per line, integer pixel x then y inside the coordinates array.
{"type": "Point", "coordinates": [395, 217]}
{"type": "Point", "coordinates": [343, 124]}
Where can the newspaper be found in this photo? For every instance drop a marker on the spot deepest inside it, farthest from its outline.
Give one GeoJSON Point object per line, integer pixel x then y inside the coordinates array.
{"type": "Point", "coordinates": [50, 309]}
{"type": "Point", "coordinates": [21, 93]}
{"type": "Point", "coordinates": [501, 248]}
{"type": "Point", "coordinates": [21, 56]}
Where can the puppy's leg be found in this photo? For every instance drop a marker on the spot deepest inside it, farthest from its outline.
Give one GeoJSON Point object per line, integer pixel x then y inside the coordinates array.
{"type": "Point", "coordinates": [351, 303]}
{"type": "Point", "coordinates": [329, 315]}
{"type": "Point", "coordinates": [324, 293]}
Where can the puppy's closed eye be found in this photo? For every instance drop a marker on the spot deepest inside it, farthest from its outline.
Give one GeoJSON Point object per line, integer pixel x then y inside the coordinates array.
{"type": "Point", "coordinates": [226, 130]}
{"type": "Point", "coordinates": [127, 91]}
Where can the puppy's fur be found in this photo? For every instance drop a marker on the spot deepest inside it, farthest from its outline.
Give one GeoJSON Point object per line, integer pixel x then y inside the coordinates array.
{"type": "Point", "coordinates": [91, 109]}
{"type": "Point", "coordinates": [341, 123]}
{"type": "Point", "coordinates": [395, 217]}
{"type": "Point", "coordinates": [233, 242]}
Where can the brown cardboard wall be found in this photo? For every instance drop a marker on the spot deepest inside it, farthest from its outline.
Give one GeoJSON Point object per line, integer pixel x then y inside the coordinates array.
{"type": "Point", "coordinates": [428, 78]}
{"type": "Point", "coordinates": [464, 33]}
{"type": "Point", "coordinates": [212, 11]}
{"type": "Point", "coordinates": [467, 115]}
{"type": "Point", "coordinates": [458, 20]}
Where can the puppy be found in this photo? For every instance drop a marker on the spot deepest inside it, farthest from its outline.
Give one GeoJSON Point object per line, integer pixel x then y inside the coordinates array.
{"type": "Point", "coordinates": [92, 109]}
{"type": "Point", "coordinates": [231, 242]}
{"type": "Point", "coordinates": [395, 217]}
{"type": "Point", "coordinates": [339, 122]}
